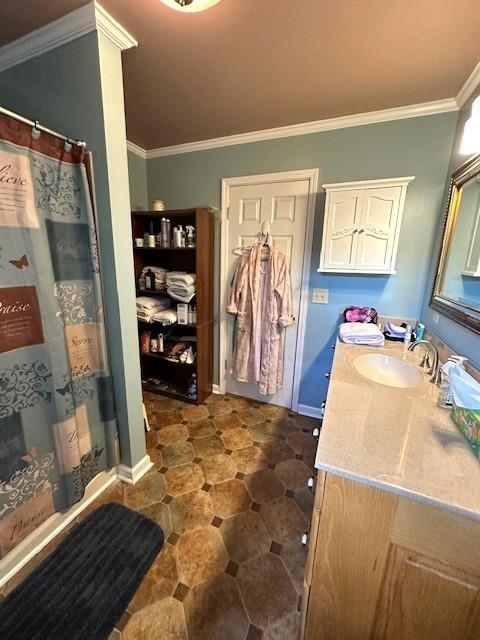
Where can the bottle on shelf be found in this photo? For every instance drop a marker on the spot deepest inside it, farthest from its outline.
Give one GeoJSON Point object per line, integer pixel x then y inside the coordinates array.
{"type": "Point", "coordinates": [151, 237]}
{"type": "Point", "coordinates": [141, 283]}
{"type": "Point", "coordinates": [190, 236]}
{"type": "Point", "coordinates": [150, 280]}
{"type": "Point", "coordinates": [145, 341]}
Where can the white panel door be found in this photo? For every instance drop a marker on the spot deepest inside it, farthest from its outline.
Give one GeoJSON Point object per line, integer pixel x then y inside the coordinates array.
{"type": "Point", "coordinates": [377, 228]}
{"type": "Point", "coordinates": [284, 205]}
{"type": "Point", "coordinates": [342, 220]}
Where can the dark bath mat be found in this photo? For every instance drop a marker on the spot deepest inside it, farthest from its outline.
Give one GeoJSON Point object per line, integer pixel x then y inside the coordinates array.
{"type": "Point", "coordinates": [82, 589]}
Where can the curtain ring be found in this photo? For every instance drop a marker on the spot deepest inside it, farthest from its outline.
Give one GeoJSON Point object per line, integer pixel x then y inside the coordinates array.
{"type": "Point", "coordinates": [36, 133]}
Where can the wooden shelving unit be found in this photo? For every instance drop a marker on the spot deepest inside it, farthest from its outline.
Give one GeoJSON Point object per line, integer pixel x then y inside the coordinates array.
{"type": "Point", "coordinates": [198, 260]}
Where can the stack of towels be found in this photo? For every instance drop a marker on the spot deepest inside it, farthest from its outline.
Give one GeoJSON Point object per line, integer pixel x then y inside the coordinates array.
{"type": "Point", "coordinates": [181, 285]}
{"type": "Point", "coordinates": [361, 333]}
{"type": "Point", "coordinates": [148, 307]}
{"type": "Point", "coordinates": [160, 277]}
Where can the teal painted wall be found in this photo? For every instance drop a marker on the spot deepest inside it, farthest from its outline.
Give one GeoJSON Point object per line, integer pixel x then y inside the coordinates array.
{"type": "Point", "coordinates": [418, 146]}
{"type": "Point", "coordinates": [137, 172]}
{"type": "Point", "coordinates": [462, 340]}
{"type": "Point", "coordinates": [63, 90]}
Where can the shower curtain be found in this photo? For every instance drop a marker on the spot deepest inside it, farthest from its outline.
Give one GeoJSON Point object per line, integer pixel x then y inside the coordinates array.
{"type": "Point", "coordinates": [57, 422]}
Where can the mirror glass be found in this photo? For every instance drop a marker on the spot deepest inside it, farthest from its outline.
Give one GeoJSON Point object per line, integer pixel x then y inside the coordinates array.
{"type": "Point", "coordinates": [457, 285]}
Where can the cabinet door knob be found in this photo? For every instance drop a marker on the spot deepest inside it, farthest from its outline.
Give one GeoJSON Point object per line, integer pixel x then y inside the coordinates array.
{"type": "Point", "coordinates": [316, 432]}
{"type": "Point", "coordinates": [311, 482]}
{"type": "Point", "coordinates": [305, 540]}
{"type": "Point", "coordinates": [327, 375]}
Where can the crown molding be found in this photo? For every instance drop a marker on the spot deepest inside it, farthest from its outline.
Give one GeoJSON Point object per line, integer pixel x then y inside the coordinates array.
{"type": "Point", "coordinates": [330, 124]}
{"type": "Point", "coordinates": [112, 29]}
{"type": "Point", "coordinates": [138, 151]}
{"type": "Point", "coordinates": [369, 184]}
{"type": "Point", "coordinates": [91, 17]}
{"type": "Point", "coordinates": [472, 82]}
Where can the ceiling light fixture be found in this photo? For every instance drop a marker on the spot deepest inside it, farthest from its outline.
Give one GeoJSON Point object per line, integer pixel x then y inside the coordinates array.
{"type": "Point", "coordinates": [471, 133]}
{"type": "Point", "coordinates": [190, 6]}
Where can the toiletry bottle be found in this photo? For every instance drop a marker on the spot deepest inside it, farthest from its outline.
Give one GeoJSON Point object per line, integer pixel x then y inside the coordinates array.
{"type": "Point", "coordinates": [150, 280]}
{"type": "Point", "coordinates": [160, 343]}
{"type": "Point", "coordinates": [145, 239]}
{"type": "Point", "coordinates": [408, 336]}
{"type": "Point", "coordinates": [163, 232]}
{"type": "Point", "coordinates": [145, 342]}
{"type": "Point", "coordinates": [190, 236]}
{"type": "Point", "coordinates": [169, 234]}
{"type": "Point", "coordinates": [176, 237]}
{"type": "Point", "coordinates": [141, 283]}
{"type": "Point", "coordinates": [194, 314]}
{"type": "Point", "coordinates": [151, 237]}
{"type": "Point", "coordinates": [190, 314]}
{"type": "Point", "coordinates": [420, 331]}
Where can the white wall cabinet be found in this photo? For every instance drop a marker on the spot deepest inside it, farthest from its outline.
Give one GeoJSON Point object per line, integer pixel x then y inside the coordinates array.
{"type": "Point", "coordinates": [362, 225]}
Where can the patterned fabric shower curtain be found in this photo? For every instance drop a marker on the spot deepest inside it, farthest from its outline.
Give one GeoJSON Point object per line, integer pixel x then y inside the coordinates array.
{"type": "Point", "coordinates": [57, 423]}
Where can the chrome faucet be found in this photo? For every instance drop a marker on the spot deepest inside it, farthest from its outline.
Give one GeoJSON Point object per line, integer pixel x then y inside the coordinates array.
{"type": "Point", "coordinates": [434, 370]}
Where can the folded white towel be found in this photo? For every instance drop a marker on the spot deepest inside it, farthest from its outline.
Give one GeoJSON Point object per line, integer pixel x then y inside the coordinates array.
{"type": "Point", "coordinates": [181, 278]}
{"type": "Point", "coordinates": [166, 317]}
{"type": "Point", "coordinates": [181, 293]}
{"type": "Point", "coordinates": [149, 303]}
{"type": "Point", "coordinates": [361, 333]}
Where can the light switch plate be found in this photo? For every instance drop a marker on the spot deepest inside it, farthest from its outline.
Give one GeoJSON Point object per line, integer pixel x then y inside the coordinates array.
{"type": "Point", "coordinates": [320, 296]}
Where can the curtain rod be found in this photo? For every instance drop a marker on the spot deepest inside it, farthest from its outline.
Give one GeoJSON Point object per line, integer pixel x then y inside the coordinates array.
{"type": "Point", "coordinates": [39, 127]}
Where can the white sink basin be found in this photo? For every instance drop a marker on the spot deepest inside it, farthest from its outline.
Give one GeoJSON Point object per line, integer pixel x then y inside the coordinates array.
{"type": "Point", "coordinates": [387, 370]}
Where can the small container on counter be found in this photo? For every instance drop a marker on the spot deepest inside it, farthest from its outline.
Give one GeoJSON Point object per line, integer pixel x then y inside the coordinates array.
{"type": "Point", "coordinates": [145, 341]}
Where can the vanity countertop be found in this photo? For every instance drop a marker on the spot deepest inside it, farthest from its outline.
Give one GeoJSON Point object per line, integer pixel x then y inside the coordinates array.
{"type": "Point", "coordinates": [398, 440]}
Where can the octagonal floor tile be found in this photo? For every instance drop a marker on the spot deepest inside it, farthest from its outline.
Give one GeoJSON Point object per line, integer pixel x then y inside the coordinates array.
{"type": "Point", "coordinates": [159, 582]}
{"type": "Point", "coordinates": [220, 408]}
{"type": "Point", "coordinates": [164, 619]}
{"type": "Point", "coordinates": [284, 520]}
{"type": "Point", "coordinates": [184, 479]}
{"type": "Point", "coordinates": [285, 629]}
{"type": "Point", "coordinates": [227, 421]}
{"type": "Point", "coordinates": [150, 489]}
{"type": "Point", "coordinates": [214, 611]}
{"type": "Point", "coordinates": [206, 447]}
{"type": "Point", "coordinates": [293, 474]}
{"type": "Point", "coordinates": [294, 557]}
{"type": "Point", "coordinates": [249, 460]}
{"type": "Point", "coordinates": [191, 511]}
{"type": "Point", "coordinates": [171, 434]}
{"type": "Point", "coordinates": [230, 498]}
{"type": "Point", "coordinates": [201, 555]}
{"type": "Point", "coordinates": [264, 486]}
{"type": "Point", "coordinates": [251, 416]}
{"type": "Point", "coordinates": [201, 429]}
{"type": "Point", "coordinates": [267, 590]}
{"type": "Point", "coordinates": [218, 468]}
{"type": "Point", "coordinates": [272, 412]}
{"type": "Point", "coordinates": [160, 513]}
{"type": "Point", "coordinates": [237, 439]}
{"type": "Point", "coordinates": [193, 412]}
{"type": "Point", "coordinates": [302, 443]}
{"type": "Point", "coordinates": [166, 418]}
{"type": "Point", "coordinates": [245, 536]}
{"type": "Point", "coordinates": [177, 454]}
{"type": "Point", "coordinates": [260, 432]}
{"type": "Point", "coordinates": [276, 451]}
{"type": "Point", "coordinates": [282, 427]}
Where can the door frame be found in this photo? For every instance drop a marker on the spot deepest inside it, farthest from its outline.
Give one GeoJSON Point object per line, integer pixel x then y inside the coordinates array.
{"type": "Point", "coordinates": [312, 175]}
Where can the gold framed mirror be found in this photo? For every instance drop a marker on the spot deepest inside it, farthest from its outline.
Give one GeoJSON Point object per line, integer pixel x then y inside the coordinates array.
{"type": "Point", "coordinates": [456, 289]}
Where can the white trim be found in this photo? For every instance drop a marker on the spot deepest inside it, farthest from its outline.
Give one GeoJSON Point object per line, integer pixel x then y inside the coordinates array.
{"type": "Point", "coordinates": [91, 17]}
{"type": "Point", "coordinates": [113, 29]}
{"type": "Point", "coordinates": [368, 184]}
{"type": "Point", "coordinates": [132, 475]}
{"type": "Point", "coordinates": [138, 151]}
{"type": "Point", "coordinates": [311, 412]}
{"type": "Point", "coordinates": [469, 87]}
{"type": "Point", "coordinates": [370, 117]}
{"type": "Point", "coordinates": [38, 539]}
{"type": "Point", "coordinates": [307, 174]}
{"type": "Point", "coordinates": [216, 388]}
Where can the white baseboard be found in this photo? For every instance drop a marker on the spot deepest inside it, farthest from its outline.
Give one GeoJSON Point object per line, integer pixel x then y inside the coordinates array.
{"type": "Point", "coordinates": [311, 412]}
{"type": "Point", "coordinates": [35, 541]}
{"type": "Point", "coordinates": [131, 475]}
{"type": "Point", "coordinates": [216, 388]}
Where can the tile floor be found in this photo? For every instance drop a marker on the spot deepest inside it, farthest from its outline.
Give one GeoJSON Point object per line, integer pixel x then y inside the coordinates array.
{"type": "Point", "coordinates": [229, 489]}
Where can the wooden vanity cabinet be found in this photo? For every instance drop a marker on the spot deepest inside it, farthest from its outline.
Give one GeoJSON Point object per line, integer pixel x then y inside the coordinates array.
{"type": "Point", "coordinates": [384, 567]}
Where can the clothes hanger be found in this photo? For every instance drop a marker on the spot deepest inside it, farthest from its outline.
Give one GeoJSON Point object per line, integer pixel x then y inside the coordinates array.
{"type": "Point", "coordinates": [263, 237]}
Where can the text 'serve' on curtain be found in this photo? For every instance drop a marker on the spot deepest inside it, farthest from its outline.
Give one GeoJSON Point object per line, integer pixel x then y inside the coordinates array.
{"type": "Point", "coordinates": [57, 423]}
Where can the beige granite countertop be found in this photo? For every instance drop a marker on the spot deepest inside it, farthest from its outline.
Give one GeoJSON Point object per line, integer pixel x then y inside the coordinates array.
{"type": "Point", "coordinates": [398, 440]}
